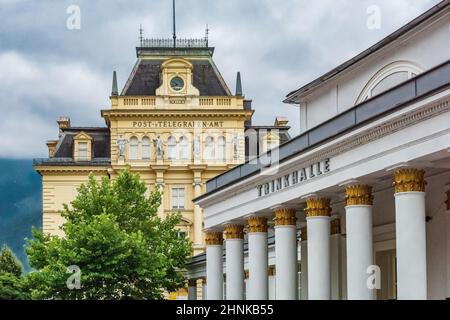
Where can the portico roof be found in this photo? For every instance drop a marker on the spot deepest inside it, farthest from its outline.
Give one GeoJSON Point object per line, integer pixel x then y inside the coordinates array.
{"type": "Point", "coordinates": [434, 80]}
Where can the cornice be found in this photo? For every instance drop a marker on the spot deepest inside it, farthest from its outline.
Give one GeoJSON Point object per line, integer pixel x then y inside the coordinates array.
{"type": "Point", "coordinates": [168, 113]}
{"type": "Point", "coordinates": [70, 169]}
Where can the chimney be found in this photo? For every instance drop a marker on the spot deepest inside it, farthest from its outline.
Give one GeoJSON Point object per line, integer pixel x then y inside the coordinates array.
{"type": "Point", "coordinates": [281, 122]}
{"type": "Point", "coordinates": [63, 122]}
{"type": "Point", "coordinates": [51, 144]}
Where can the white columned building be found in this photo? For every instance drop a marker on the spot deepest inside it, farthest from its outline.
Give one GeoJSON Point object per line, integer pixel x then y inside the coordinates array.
{"type": "Point", "coordinates": [234, 263]}
{"type": "Point", "coordinates": [358, 217]}
{"type": "Point", "coordinates": [258, 282]}
{"type": "Point", "coordinates": [286, 254]}
{"type": "Point", "coordinates": [374, 150]}
{"type": "Point", "coordinates": [411, 234]}
{"type": "Point", "coordinates": [319, 265]}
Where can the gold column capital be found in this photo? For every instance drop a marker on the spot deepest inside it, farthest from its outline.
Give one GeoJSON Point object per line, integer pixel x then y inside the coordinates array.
{"type": "Point", "coordinates": [409, 180]}
{"type": "Point", "coordinates": [213, 238]}
{"type": "Point", "coordinates": [285, 217]}
{"type": "Point", "coordinates": [304, 233]}
{"type": "Point", "coordinates": [448, 200]}
{"type": "Point", "coordinates": [335, 226]}
{"type": "Point", "coordinates": [358, 195]}
{"type": "Point", "coordinates": [318, 207]}
{"type": "Point", "coordinates": [257, 224]}
{"type": "Point", "coordinates": [234, 231]}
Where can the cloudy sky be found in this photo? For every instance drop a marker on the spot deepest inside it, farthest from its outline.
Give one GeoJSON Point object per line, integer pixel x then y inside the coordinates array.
{"type": "Point", "coordinates": [48, 70]}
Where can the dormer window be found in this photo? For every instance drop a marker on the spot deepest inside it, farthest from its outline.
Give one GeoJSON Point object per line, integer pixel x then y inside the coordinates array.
{"type": "Point", "coordinates": [82, 151]}
{"type": "Point", "coordinates": [82, 147]}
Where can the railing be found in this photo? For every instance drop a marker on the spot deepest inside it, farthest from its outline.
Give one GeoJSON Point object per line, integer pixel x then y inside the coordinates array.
{"type": "Point", "coordinates": [179, 43]}
{"type": "Point", "coordinates": [135, 101]}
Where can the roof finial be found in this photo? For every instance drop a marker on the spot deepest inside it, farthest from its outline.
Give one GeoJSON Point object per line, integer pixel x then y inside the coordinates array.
{"type": "Point", "coordinates": [238, 85]}
{"type": "Point", "coordinates": [141, 35]}
{"type": "Point", "coordinates": [115, 90]}
{"type": "Point", "coordinates": [206, 35]}
{"type": "Point", "coordinates": [174, 26]}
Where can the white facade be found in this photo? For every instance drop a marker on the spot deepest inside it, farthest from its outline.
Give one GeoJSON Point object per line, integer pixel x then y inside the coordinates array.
{"type": "Point", "coordinates": [407, 222]}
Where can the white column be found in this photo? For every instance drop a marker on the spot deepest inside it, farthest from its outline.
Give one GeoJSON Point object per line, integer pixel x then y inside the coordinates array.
{"type": "Point", "coordinates": [257, 284]}
{"type": "Point", "coordinates": [318, 224]}
{"type": "Point", "coordinates": [234, 263]}
{"type": "Point", "coordinates": [214, 265]}
{"type": "Point", "coordinates": [198, 218]}
{"type": "Point", "coordinates": [410, 234]}
{"type": "Point", "coordinates": [304, 262]}
{"type": "Point", "coordinates": [286, 254]}
{"type": "Point", "coordinates": [335, 259]}
{"type": "Point", "coordinates": [204, 289]}
{"type": "Point", "coordinates": [271, 284]}
{"type": "Point", "coordinates": [192, 289]}
{"type": "Point", "coordinates": [359, 241]}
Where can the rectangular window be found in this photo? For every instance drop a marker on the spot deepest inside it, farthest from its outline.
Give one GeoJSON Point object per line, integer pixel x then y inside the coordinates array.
{"type": "Point", "coordinates": [177, 198]}
{"type": "Point", "coordinates": [83, 151]}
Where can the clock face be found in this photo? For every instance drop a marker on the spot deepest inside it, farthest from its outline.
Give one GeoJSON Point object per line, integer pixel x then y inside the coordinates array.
{"type": "Point", "coordinates": [177, 83]}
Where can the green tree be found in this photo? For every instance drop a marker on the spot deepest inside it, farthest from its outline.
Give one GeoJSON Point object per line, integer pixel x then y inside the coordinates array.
{"type": "Point", "coordinates": [9, 263]}
{"type": "Point", "coordinates": [115, 237]}
{"type": "Point", "coordinates": [11, 282]}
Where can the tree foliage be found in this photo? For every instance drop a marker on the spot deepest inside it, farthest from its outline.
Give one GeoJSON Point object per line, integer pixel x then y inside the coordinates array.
{"type": "Point", "coordinates": [9, 263]}
{"type": "Point", "coordinates": [11, 282]}
{"type": "Point", "coordinates": [115, 237]}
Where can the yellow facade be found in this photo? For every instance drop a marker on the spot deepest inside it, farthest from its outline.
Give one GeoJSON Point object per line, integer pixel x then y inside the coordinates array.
{"type": "Point", "coordinates": [199, 136]}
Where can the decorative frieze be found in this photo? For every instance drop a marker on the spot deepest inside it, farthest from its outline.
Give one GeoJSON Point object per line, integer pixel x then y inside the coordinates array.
{"type": "Point", "coordinates": [318, 207]}
{"type": "Point", "coordinates": [214, 238]}
{"type": "Point", "coordinates": [285, 217]}
{"type": "Point", "coordinates": [234, 231]}
{"type": "Point", "coordinates": [303, 233]}
{"type": "Point", "coordinates": [257, 224]}
{"type": "Point", "coordinates": [335, 226]}
{"type": "Point", "coordinates": [358, 195]}
{"type": "Point", "coordinates": [409, 180]}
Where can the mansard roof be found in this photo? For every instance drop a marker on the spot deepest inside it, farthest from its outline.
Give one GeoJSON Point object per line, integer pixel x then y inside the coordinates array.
{"type": "Point", "coordinates": [100, 142]}
{"type": "Point", "coordinates": [145, 77]}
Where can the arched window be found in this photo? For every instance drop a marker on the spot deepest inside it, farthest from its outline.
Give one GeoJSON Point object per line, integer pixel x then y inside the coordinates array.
{"type": "Point", "coordinates": [146, 148]}
{"type": "Point", "coordinates": [134, 144]}
{"type": "Point", "coordinates": [221, 148]}
{"type": "Point", "coordinates": [184, 148]}
{"type": "Point", "coordinates": [171, 148]}
{"type": "Point", "coordinates": [387, 78]}
{"type": "Point", "coordinates": [209, 148]}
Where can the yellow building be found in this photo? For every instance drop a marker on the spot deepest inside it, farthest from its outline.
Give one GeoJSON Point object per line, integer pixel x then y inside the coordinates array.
{"type": "Point", "coordinates": [175, 122]}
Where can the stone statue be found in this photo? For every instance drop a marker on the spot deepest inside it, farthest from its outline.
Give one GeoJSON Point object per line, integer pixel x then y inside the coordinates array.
{"type": "Point", "coordinates": [159, 145]}
{"type": "Point", "coordinates": [197, 151]}
{"type": "Point", "coordinates": [121, 143]}
{"type": "Point", "coordinates": [236, 146]}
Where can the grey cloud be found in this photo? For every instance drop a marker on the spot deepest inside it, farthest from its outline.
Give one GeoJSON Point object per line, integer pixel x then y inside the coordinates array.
{"type": "Point", "coordinates": [277, 45]}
